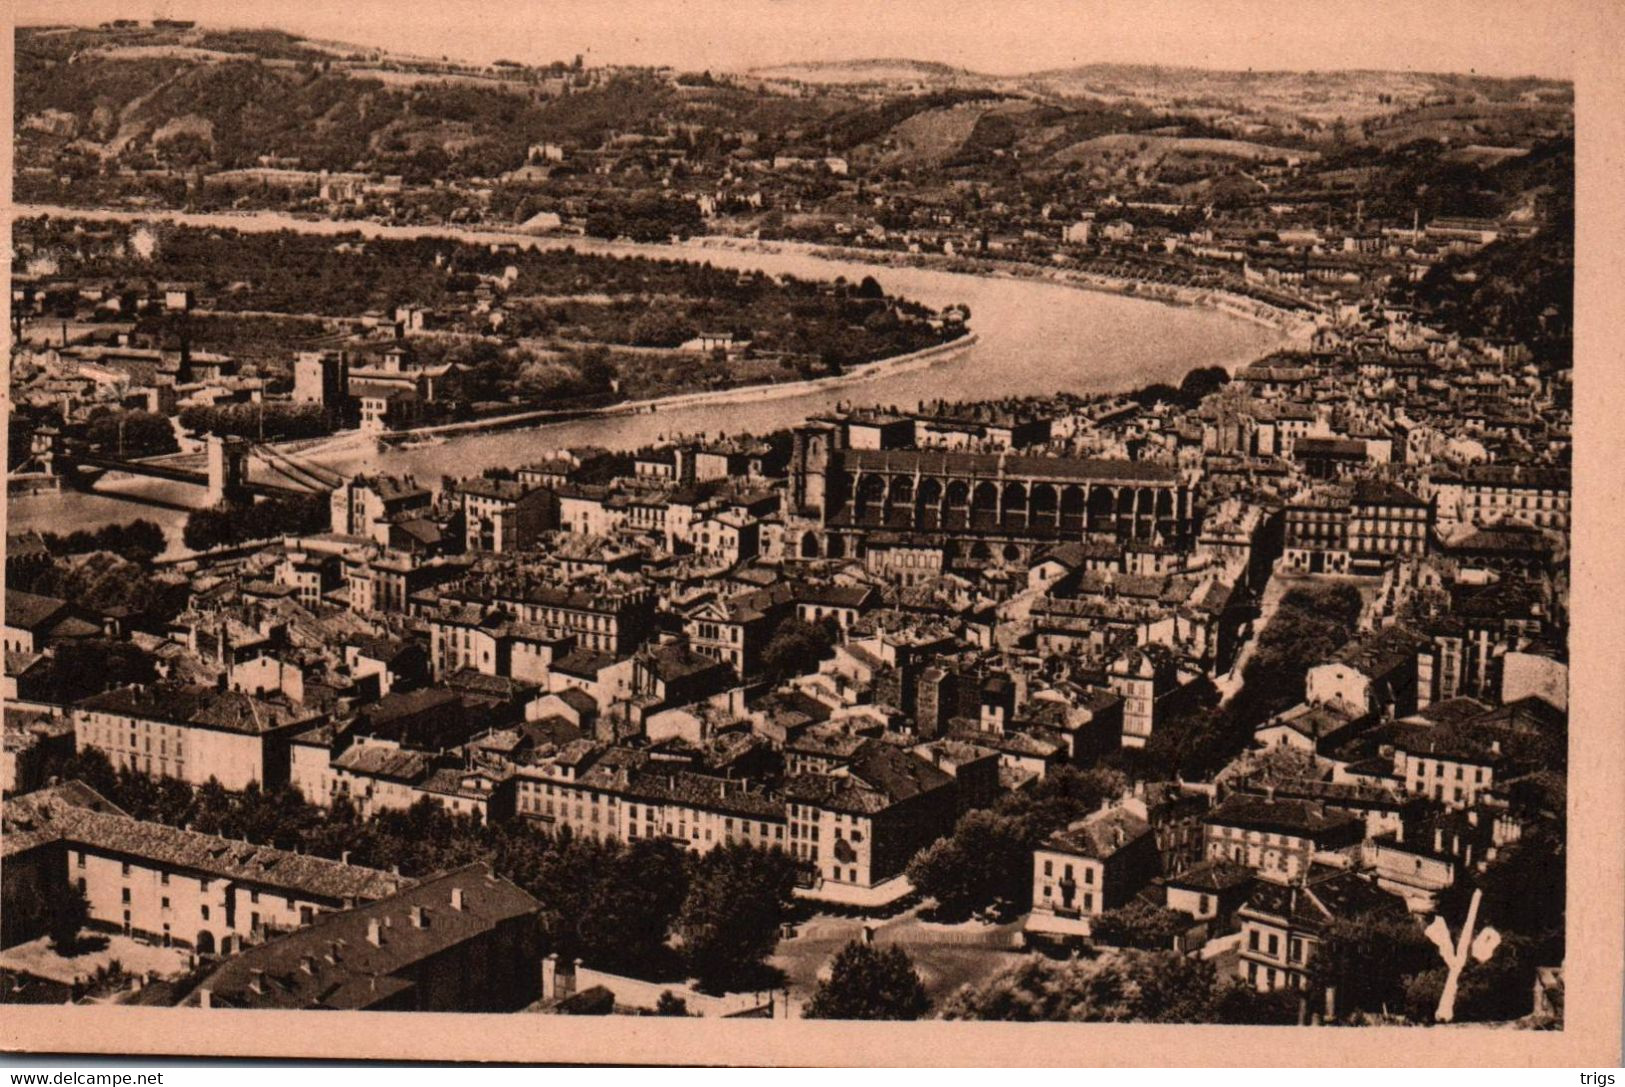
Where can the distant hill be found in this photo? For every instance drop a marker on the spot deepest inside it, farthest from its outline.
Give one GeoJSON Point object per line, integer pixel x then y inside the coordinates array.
{"type": "Point", "coordinates": [884, 70]}
{"type": "Point", "coordinates": [1320, 96]}
{"type": "Point", "coordinates": [199, 99]}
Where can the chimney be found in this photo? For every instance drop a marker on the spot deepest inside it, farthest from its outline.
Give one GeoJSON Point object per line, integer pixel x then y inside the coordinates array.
{"type": "Point", "coordinates": [344, 857]}
{"type": "Point", "coordinates": [307, 964]}
{"type": "Point", "coordinates": [457, 898]}
{"type": "Point", "coordinates": [420, 918]}
{"type": "Point", "coordinates": [205, 998]}
{"type": "Point", "coordinates": [1438, 839]}
{"type": "Point", "coordinates": [256, 980]}
{"type": "Point", "coordinates": [375, 933]}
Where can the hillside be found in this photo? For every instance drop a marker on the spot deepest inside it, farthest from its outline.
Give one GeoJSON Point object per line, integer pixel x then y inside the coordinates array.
{"type": "Point", "coordinates": [896, 72]}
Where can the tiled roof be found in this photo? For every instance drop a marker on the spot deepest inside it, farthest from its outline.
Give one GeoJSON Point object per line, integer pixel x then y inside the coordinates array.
{"type": "Point", "coordinates": [1298, 817]}
{"type": "Point", "coordinates": [1100, 835]}
{"type": "Point", "coordinates": [30, 611]}
{"type": "Point", "coordinates": [1212, 876]}
{"type": "Point", "coordinates": [380, 761]}
{"type": "Point", "coordinates": [1326, 896]}
{"type": "Point", "coordinates": [231, 711]}
{"type": "Point", "coordinates": [878, 777]}
{"type": "Point", "coordinates": [331, 963]}
{"type": "Point", "coordinates": [69, 814]}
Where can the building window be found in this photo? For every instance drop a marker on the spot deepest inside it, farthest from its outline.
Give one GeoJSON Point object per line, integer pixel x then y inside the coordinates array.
{"type": "Point", "coordinates": [163, 877]}
{"type": "Point", "coordinates": [124, 869]}
{"type": "Point", "coordinates": [125, 895]}
{"type": "Point", "coordinates": [1049, 867]}
{"type": "Point", "coordinates": [1252, 939]}
{"type": "Point", "coordinates": [205, 911]}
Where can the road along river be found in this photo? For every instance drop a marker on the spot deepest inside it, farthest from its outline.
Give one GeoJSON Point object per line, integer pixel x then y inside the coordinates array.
{"type": "Point", "coordinates": [1032, 336]}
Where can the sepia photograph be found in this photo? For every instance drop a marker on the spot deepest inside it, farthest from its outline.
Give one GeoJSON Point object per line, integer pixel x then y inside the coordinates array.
{"type": "Point", "coordinates": [809, 512]}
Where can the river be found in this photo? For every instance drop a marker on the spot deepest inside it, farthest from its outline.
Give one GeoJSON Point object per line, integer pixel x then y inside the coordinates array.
{"type": "Point", "coordinates": [1033, 337]}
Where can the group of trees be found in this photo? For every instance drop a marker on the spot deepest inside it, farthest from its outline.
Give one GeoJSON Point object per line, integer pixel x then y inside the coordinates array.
{"type": "Point", "coordinates": [1310, 624]}
{"type": "Point", "coordinates": [104, 582]}
{"type": "Point", "coordinates": [271, 421]}
{"type": "Point", "coordinates": [139, 541]}
{"type": "Point", "coordinates": [1197, 384]}
{"type": "Point", "coordinates": [132, 433]}
{"type": "Point", "coordinates": [1121, 986]}
{"type": "Point", "coordinates": [647, 217]}
{"type": "Point", "coordinates": [234, 523]}
{"type": "Point", "coordinates": [987, 860]}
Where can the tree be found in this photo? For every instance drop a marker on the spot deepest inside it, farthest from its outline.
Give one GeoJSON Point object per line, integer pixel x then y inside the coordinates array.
{"type": "Point", "coordinates": [1139, 924]}
{"type": "Point", "coordinates": [1370, 960]}
{"type": "Point", "coordinates": [1241, 1004]}
{"type": "Point", "coordinates": [866, 982]}
{"type": "Point", "coordinates": [630, 907]}
{"type": "Point", "coordinates": [133, 433]}
{"type": "Point", "coordinates": [988, 857]}
{"type": "Point", "coordinates": [89, 666]}
{"type": "Point", "coordinates": [670, 1004]}
{"type": "Point", "coordinates": [662, 327]}
{"type": "Point", "coordinates": [1200, 382]}
{"type": "Point", "coordinates": [66, 913]}
{"type": "Point", "coordinates": [1499, 990]}
{"type": "Point", "coordinates": [796, 647]}
{"type": "Point", "coordinates": [738, 897]}
{"type": "Point", "coordinates": [869, 287]}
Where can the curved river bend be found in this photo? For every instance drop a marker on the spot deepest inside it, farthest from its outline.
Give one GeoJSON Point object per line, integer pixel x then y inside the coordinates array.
{"type": "Point", "coordinates": [1033, 337]}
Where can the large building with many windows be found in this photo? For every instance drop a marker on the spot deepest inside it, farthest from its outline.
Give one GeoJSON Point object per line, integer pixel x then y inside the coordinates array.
{"type": "Point", "coordinates": [192, 733]}
{"type": "Point", "coordinates": [168, 885]}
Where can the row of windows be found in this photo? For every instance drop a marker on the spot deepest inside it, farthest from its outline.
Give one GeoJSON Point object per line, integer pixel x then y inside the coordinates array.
{"type": "Point", "coordinates": [1252, 835]}
{"type": "Point", "coordinates": [1088, 899]}
{"type": "Point", "coordinates": [1272, 945]}
{"type": "Point", "coordinates": [1423, 768]}
{"type": "Point", "coordinates": [204, 883]}
{"type": "Point", "coordinates": [1088, 872]}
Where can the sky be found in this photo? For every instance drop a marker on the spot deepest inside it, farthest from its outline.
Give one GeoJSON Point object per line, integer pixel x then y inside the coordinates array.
{"type": "Point", "coordinates": [1491, 37]}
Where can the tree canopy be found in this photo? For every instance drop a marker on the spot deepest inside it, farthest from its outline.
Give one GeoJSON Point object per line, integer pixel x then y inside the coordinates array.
{"type": "Point", "coordinates": [866, 982]}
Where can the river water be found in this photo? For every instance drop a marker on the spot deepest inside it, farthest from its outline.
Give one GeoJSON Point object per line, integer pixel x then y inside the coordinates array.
{"type": "Point", "coordinates": [1032, 337]}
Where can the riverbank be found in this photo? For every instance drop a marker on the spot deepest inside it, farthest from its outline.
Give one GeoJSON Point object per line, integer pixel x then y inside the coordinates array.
{"type": "Point", "coordinates": [1034, 336]}
{"type": "Point", "coordinates": [1236, 305]}
{"type": "Point", "coordinates": [895, 364]}
{"type": "Point", "coordinates": [1244, 307]}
